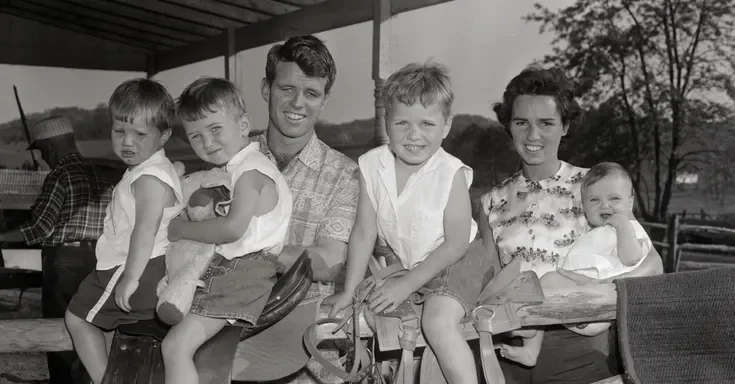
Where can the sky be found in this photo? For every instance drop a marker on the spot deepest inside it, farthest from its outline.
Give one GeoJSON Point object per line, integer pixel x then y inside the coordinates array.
{"type": "Point", "coordinates": [484, 43]}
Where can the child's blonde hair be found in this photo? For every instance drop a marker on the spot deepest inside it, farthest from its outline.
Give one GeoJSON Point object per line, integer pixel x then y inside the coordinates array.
{"type": "Point", "coordinates": [426, 83]}
{"type": "Point", "coordinates": [142, 100]}
{"type": "Point", "coordinates": [603, 170]}
{"type": "Point", "coordinates": [209, 95]}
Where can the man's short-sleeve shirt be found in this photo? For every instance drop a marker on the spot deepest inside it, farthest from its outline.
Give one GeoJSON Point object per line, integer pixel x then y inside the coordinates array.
{"type": "Point", "coordinates": [325, 187]}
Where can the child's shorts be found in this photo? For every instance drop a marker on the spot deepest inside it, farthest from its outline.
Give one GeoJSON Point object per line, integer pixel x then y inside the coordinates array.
{"type": "Point", "coordinates": [95, 299]}
{"type": "Point", "coordinates": [238, 289]}
{"type": "Point", "coordinates": [462, 281]}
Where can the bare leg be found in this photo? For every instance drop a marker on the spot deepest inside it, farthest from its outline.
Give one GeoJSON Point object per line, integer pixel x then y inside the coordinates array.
{"type": "Point", "coordinates": [528, 353]}
{"type": "Point", "coordinates": [89, 342]}
{"type": "Point", "coordinates": [556, 280]}
{"type": "Point", "coordinates": [440, 325]}
{"type": "Point", "coordinates": [180, 344]}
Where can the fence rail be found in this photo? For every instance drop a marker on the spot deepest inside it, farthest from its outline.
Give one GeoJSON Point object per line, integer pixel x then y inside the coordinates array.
{"type": "Point", "coordinates": [674, 249]}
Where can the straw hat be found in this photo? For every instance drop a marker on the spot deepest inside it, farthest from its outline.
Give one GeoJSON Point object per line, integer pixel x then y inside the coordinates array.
{"type": "Point", "coordinates": [50, 127]}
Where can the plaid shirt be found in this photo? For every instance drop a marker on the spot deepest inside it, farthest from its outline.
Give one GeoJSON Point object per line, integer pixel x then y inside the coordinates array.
{"type": "Point", "coordinates": [71, 206]}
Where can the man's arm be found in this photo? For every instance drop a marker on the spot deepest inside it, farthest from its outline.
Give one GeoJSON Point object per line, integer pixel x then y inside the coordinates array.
{"type": "Point", "coordinates": [44, 213]}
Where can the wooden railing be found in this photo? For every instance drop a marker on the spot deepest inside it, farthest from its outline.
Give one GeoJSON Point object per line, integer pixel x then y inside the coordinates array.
{"type": "Point", "coordinates": [674, 228]}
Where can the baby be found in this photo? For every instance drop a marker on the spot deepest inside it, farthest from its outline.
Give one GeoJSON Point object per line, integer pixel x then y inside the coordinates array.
{"type": "Point", "coordinates": [615, 244]}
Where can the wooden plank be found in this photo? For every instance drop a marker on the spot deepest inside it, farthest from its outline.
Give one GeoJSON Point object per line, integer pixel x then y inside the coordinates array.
{"type": "Point", "coordinates": [653, 225]}
{"type": "Point", "coordinates": [221, 9]}
{"type": "Point", "coordinates": [706, 228]}
{"type": "Point", "coordinates": [300, 3]}
{"type": "Point", "coordinates": [182, 13]}
{"type": "Point", "coordinates": [92, 25]}
{"type": "Point", "coordinates": [708, 247]}
{"type": "Point", "coordinates": [63, 56]}
{"type": "Point", "coordinates": [133, 13]}
{"type": "Point", "coordinates": [382, 20]}
{"type": "Point", "coordinates": [313, 19]}
{"type": "Point", "coordinates": [612, 380]}
{"type": "Point", "coordinates": [562, 306]}
{"type": "Point", "coordinates": [106, 17]}
{"type": "Point", "coordinates": [49, 21]}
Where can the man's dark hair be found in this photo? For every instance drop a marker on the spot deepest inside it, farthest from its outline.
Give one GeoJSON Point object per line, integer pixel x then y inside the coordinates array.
{"type": "Point", "coordinates": [309, 53]}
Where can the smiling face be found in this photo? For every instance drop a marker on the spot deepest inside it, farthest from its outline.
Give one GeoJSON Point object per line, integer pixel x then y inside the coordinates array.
{"type": "Point", "coordinates": [536, 127]}
{"type": "Point", "coordinates": [295, 100]}
{"type": "Point", "coordinates": [416, 132]}
{"type": "Point", "coordinates": [610, 195]}
{"type": "Point", "coordinates": [218, 137]}
{"type": "Point", "coordinates": [135, 142]}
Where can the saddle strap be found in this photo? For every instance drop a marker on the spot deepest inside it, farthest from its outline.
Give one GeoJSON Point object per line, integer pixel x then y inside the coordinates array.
{"type": "Point", "coordinates": [362, 360]}
{"type": "Point", "coordinates": [409, 333]}
{"type": "Point", "coordinates": [490, 365]}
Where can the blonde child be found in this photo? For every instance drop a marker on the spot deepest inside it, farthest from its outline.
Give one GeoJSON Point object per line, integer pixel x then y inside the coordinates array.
{"type": "Point", "coordinates": [129, 252]}
{"type": "Point", "coordinates": [414, 199]}
{"type": "Point", "coordinates": [249, 238]}
{"type": "Point", "coordinates": [615, 244]}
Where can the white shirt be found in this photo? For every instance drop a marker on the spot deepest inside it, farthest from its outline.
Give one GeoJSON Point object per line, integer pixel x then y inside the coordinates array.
{"type": "Point", "coordinates": [595, 254]}
{"type": "Point", "coordinates": [412, 223]}
{"type": "Point", "coordinates": [114, 244]}
{"type": "Point", "coordinates": [266, 232]}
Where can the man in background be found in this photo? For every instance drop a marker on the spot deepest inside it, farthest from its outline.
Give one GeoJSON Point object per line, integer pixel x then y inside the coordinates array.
{"type": "Point", "coordinates": [66, 220]}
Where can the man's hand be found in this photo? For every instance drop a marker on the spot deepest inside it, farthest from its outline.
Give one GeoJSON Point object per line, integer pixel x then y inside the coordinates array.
{"type": "Point", "coordinates": [389, 295]}
{"type": "Point", "coordinates": [123, 291]}
{"type": "Point", "coordinates": [175, 229]}
{"type": "Point", "coordinates": [617, 220]}
{"type": "Point", "coordinates": [339, 302]}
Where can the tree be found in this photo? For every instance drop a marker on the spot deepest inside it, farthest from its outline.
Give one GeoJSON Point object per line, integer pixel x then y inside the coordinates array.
{"type": "Point", "coordinates": [663, 67]}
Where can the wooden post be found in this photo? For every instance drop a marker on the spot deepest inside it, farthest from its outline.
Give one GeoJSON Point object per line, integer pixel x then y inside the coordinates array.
{"type": "Point", "coordinates": [672, 237]}
{"type": "Point", "coordinates": [230, 53]}
{"type": "Point", "coordinates": [382, 14]}
{"type": "Point", "coordinates": [150, 65]}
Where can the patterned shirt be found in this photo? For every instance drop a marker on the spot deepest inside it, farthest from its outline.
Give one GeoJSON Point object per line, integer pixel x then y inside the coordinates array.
{"type": "Point", "coordinates": [325, 186]}
{"type": "Point", "coordinates": [537, 220]}
{"type": "Point", "coordinates": [71, 206]}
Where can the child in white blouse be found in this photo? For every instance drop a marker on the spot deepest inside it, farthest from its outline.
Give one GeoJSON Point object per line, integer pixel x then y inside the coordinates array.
{"type": "Point", "coordinates": [414, 198]}
{"type": "Point", "coordinates": [616, 244]}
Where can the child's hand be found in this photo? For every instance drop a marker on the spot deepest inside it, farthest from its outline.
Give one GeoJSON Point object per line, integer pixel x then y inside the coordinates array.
{"type": "Point", "coordinates": [617, 220]}
{"type": "Point", "coordinates": [388, 296]}
{"type": "Point", "coordinates": [339, 302]}
{"type": "Point", "coordinates": [174, 229]}
{"type": "Point", "coordinates": [123, 291]}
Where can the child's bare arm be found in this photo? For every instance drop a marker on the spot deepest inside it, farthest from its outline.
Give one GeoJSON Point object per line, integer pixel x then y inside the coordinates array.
{"type": "Point", "coordinates": [246, 197]}
{"type": "Point", "coordinates": [151, 196]}
{"type": "Point", "coordinates": [362, 241]}
{"type": "Point", "coordinates": [457, 225]}
{"type": "Point", "coordinates": [629, 248]}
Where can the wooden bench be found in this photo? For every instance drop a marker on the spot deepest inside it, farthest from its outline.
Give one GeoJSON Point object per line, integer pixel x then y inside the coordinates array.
{"type": "Point", "coordinates": [597, 303]}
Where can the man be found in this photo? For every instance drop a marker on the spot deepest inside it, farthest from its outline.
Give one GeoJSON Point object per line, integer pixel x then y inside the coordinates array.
{"type": "Point", "coordinates": [66, 221]}
{"type": "Point", "coordinates": [325, 187]}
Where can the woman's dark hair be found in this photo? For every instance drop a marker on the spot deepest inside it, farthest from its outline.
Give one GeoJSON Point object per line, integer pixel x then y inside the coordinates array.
{"type": "Point", "coordinates": [535, 80]}
{"type": "Point", "coordinates": [309, 53]}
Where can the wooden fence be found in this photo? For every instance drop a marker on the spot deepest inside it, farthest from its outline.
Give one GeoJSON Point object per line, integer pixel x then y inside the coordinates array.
{"type": "Point", "coordinates": [670, 243]}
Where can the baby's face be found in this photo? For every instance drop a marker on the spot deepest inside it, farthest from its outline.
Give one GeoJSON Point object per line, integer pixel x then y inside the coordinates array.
{"type": "Point", "coordinates": [611, 195]}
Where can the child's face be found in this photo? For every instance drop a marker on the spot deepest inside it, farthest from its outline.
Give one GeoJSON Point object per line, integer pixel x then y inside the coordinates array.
{"type": "Point", "coordinates": [218, 137]}
{"type": "Point", "coordinates": [135, 142]}
{"type": "Point", "coordinates": [610, 195]}
{"type": "Point", "coordinates": [416, 132]}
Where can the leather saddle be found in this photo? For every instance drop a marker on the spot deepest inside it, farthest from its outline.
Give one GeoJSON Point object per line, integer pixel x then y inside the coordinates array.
{"type": "Point", "coordinates": [135, 356]}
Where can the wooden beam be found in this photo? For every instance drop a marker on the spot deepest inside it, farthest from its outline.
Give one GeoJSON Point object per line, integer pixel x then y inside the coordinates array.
{"type": "Point", "coordinates": [381, 63]}
{"type": "Point", "coordinates": [45, 55]}
{"type": "Point", "coordinates": [48, 21]}
{"type": "Point", "coordinates": [562, 306]}
{"type": "Point", "coordinates": [133, 13]}
{"type": "Point", "coordinates": [92, 25]}
{"type": "Point", "coordinates": [316, 18]}
{"type": "Point", "coordinates": [112, 18]}
{"type": "Point", "coordinates": [221, 10]}
{"type": "Point", "coordinates": [230, 55]}
{"type": "Point", "coordinates": [181, 13]}
{"type": "Point", "coordinates": [266, 7]}
{"type": "Point", "coordinates": [300, 3]}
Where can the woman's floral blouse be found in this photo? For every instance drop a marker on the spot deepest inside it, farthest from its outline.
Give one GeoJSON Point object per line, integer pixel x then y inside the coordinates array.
{"type": "Point", "coordinates": [537, 220]}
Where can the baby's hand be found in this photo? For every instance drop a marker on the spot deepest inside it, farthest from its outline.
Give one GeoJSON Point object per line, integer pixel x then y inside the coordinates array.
{"type": "Point", "coordinates": [174, 229]}
{"type": "Point", "coordinates": [123, 291]}
{"type": "Point", "coordinates": [617, 220]}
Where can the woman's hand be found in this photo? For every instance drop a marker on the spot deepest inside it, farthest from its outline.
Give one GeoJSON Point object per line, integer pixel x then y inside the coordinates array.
{"type": "Point", "coordinates": [578, 278]}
